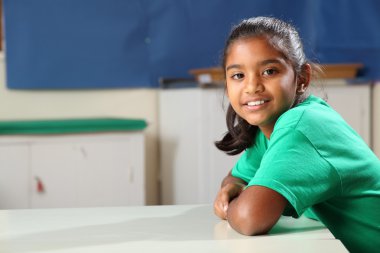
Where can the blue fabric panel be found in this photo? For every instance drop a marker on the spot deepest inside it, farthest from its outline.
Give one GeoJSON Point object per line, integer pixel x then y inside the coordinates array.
{"type": "Point", "coordinates": [348, 31]}
{"type": "Point", "coordinates": [64, 44]}
{"type": "Point", "coordinates": [76, 44]}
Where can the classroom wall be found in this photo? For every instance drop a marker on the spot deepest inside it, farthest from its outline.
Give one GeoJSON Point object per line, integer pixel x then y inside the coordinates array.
{"type": "Point", "coordinates": [126, 103]}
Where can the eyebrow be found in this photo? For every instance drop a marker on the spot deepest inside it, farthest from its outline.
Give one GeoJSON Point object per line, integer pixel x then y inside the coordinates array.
{"type": "Point", "coordinates": [233, 66]}
{"type": "Point", "coordinates": [270, 61]}
{"type": "Point", "coordinates": [262, 63]}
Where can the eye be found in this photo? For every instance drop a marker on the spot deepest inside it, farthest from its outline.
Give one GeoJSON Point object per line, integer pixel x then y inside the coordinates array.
{"type": "Point", "coordinates": [269, 72]}
{"type": "Point", "coordinates": [237, 76]}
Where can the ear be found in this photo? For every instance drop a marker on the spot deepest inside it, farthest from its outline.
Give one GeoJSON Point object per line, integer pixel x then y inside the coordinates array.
{"type": "Point", "coordinates": [304, 79]}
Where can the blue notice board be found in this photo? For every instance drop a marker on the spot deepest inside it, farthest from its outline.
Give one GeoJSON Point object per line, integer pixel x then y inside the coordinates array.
{"type": "Point", "coordinates": [78, 44]}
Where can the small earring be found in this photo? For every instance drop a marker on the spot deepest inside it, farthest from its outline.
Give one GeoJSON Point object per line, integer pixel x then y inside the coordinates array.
{"type": "Point", "coordinates": [301, 89]}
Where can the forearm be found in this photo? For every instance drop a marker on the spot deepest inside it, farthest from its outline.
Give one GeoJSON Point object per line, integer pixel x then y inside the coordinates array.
{"type": "Point", "coordinates": [255, 210]}
{"type": "Point", "coordinates": [231, 187]}
{"type": "Point", "coordinates": [229, 179]}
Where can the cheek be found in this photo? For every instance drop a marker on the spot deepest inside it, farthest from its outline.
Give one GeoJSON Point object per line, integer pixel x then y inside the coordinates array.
{"type": "Point", "coordinates": [288, 87]}
{"type": "Point", "coordinates": [229, 92]}
{"type": "Point", "coordinates": [288, 96]}
{"type": "Point", "coordinates": [233, 98]}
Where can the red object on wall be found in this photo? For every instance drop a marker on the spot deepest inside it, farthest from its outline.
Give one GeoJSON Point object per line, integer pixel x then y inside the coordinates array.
{"type": "Point", "coordinates": [40, 185]}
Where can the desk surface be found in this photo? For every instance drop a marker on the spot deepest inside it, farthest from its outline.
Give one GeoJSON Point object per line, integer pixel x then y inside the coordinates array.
{"type": "Point", "coordinates": [182, 229]}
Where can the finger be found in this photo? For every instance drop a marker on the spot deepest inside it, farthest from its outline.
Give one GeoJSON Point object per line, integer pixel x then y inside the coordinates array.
{"type": "Point", "coordinates": [220, 208]}
{"type": "Point", "coordinates": [225, 209]}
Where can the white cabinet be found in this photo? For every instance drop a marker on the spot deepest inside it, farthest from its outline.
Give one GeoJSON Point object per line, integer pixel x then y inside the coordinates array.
{"type": "Point", "coordinates": [191, 166]}
{"type": "Point", "coordinates": [14, 175]}
{"type": "Point", "coordinates": [191, 120]}
{"type": "Point", "coordinates": [105, 169]}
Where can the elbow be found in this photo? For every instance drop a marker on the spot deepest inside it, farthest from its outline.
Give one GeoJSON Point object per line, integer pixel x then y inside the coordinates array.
{"type": "Point", "coordinates": [252, 231]}
{"type": "Point", "coordinates": [249, 228]}
{"type": "Point", "coordinates": [255, 211]}
{"type": "Point", "coordinates": [247, 223]}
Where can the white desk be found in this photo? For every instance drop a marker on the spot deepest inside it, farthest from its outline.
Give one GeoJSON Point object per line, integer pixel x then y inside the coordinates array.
{"type": "Point", "coordinates": [151, 229]}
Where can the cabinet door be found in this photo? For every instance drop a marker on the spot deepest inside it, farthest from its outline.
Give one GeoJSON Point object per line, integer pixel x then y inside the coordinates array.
{"type": "Point", "coordinates": [192, 168]}
{"type": "Point", "coordinates": [180, 127]}
{"type": "Point", "coordinates": [215, 164]}
{"type": "Point", "coordinates": [83, 173]}
{"type": "Point", "coordinates": [14, 174]}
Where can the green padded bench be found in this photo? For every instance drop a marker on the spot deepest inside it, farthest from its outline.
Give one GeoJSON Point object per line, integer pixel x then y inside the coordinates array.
{"type": "Point", "coordinates": [67, 126]}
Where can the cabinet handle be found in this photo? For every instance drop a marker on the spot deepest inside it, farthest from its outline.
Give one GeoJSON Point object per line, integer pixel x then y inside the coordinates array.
{"type": "Point", "coordinates": [40, 186]}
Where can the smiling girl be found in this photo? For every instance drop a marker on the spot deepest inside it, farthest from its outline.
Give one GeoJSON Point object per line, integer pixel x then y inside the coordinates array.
{"type": "Point", "coordinates": [298, 153]}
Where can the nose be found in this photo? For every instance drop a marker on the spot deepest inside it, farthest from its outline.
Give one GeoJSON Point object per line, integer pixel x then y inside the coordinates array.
{"type": "Point", "coordinates": [253, 85]}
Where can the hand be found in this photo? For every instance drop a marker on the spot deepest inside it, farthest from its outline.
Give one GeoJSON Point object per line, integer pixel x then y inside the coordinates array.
{"type": "Point", "coordinates": [225, 195]}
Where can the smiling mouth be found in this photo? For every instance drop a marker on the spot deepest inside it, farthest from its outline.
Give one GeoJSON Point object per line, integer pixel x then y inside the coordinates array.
{"type": "Point", "coordinates": [256, 103]}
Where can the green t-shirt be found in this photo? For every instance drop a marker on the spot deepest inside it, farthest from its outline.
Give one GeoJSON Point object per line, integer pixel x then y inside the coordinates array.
{"type": "Point", "coordinates": [317, 161]}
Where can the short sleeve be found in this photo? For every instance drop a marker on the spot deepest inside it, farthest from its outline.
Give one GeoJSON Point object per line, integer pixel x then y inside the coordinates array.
{"type": "Point", "coordinates": [250, 160]}
{"type": "Point", "coordinates": [293, 167]}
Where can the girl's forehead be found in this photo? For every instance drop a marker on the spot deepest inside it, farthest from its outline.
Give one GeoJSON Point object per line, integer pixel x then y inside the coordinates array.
{"type": "Point", "coordinates": [254, 47]}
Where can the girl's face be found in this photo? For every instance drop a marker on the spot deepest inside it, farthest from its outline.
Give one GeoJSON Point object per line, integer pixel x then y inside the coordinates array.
{"type": "Point", "coordinates": [260, 83]}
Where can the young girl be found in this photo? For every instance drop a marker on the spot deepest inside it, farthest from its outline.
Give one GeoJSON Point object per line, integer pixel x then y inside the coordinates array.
{"type": "Point", "coordinates": [299, 154]}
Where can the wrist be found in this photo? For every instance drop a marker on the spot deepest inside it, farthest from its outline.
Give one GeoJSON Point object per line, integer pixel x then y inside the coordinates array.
{"type": "Point", "coordinates": [235, 185]}
{"type": "Point", "coordinates": [233, 189]}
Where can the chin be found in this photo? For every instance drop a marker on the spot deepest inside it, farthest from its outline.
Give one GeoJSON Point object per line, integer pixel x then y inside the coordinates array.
{"type": "Point", "coordinates": [255, 122]}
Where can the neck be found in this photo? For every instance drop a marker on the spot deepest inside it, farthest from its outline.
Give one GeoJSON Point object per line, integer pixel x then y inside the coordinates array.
{"type": "Point", "coordinates": [267, 131]}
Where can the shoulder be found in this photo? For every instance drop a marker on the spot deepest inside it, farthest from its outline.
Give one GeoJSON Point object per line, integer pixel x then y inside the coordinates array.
{"type": "Point", "coordinates": [314, 123]}
{"type": "Point", "coordinates": [309, 114]}
{"type": "Point", "coordinates": [259, 147]}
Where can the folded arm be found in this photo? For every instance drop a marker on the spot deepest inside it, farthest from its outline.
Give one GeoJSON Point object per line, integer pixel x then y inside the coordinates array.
{"type": "Point", "coordinates": [231, 188]}
{"type": "Point", "coordinates": [256, 210]}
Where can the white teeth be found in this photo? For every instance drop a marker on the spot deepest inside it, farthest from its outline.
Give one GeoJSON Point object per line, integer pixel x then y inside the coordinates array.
{"type": "Point", "coordinates": [260, 102]}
